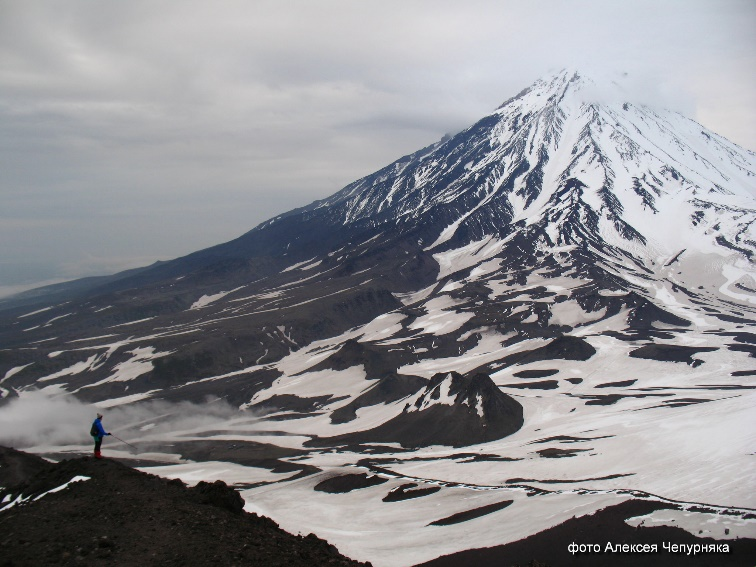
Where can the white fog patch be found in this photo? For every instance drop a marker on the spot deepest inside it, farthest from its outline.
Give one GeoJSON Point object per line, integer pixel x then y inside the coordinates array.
{"type": "Point", "coordinates": [53, 417]}
{"type": "Point", "coordinates": [50, 417]}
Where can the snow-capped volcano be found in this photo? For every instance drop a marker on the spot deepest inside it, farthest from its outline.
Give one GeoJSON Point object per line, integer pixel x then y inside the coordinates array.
{"type": "Point", "coordinates": [571, 279]}
{"type": "Point", "coordinates": [558, 162]}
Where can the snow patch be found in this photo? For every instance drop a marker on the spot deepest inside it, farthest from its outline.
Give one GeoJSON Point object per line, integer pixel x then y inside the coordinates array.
{"type": "Point", "coordinates": [206, 300]}
{"type": "Point", "coordinates": [440, 319]}
{"type": "Point", "coordinates": [571, 314]}
{"type": "Point", "coordinates": [77, 478]}
{"type": "Point", "coordinates": [35, 312]}
{"type": "Point", "coordinates": [21, 500]}
{"type": "Point", "coordinates": [140, 363]}
{"type": "Point", "coordinates": [92, 363]}
{"type": "Point", "coordinates": [13, 371]}
{"type": "Point", "coordinates": [131, 322]}
{"type": "Point", "coordinates": [700, 524]}
{"type": "Point", "coordinates": [123, 400]}
{"type": "Point", "coordinates": [472, 254]}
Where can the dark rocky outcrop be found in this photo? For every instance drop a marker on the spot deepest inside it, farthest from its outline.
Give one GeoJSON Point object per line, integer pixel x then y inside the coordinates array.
{"type": "Point", "coordinates": [218, 494]}
{"type": "Point", "coordinates": [348, 482]}
{"type": "Point", "coordinates": [17, 467]}
{"type": "Point", "coordinates": [452, 410]}
{"type": "Point", "coordinates": [409, 491]}
{"type": "Point", "coordinates": [123, 517]}
{"type": "Point", "coordinates": [671, 353]}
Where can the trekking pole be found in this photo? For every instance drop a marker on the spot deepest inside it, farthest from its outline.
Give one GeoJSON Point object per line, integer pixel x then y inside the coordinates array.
{"type": "Point", "coordinates": [127, 443]}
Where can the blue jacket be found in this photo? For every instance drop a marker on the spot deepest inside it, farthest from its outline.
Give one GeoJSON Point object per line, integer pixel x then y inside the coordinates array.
{"type": "Point", "coordinates": [100, 430]}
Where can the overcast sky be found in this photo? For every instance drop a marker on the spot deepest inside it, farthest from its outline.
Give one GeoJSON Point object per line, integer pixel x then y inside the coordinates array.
{"type": "Point", "coordinates": [142, 130]}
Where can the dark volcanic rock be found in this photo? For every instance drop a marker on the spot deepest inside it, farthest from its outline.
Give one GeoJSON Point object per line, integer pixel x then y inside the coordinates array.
{"type": "Point", "coordinates": [452, 410]}
{"type": "Point", "coordinates": [218, 494]}
{"type": "Point", "coordinates": [17, 467]}
{"type": "Point", "coordinates": [620, 384]}
{"type": "Point", "coordinates": [541, 385]}
{"type": "Point", "coordinates": [606, 400]}
{"type": "Point", "coordinates": [750, 349]}
{"type": "Point", "coordinates": [348, 482]}
{"type": "Point", "coordinates": [671, 353]}
{"type": "Point", "coordinates": [743, 373]}
{"type": "Point", "coordinates": [290, 402]}
{"type": "Point", "coordinates": [562, 348]}
{"type": "Point", "coordinates": [535, 373]}
{"type": "Point", "coordinates": [471, 514]}
{"type": "Point", "coordinates": [556, 453]}
{"type": "Point", "coordinates": [408, 491]}
{"type": "Point", "coordinates": [124, 517]}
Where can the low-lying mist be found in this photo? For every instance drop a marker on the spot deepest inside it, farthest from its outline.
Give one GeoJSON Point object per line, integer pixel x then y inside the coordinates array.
{"type": "Point", "coordinates": [54, 417]}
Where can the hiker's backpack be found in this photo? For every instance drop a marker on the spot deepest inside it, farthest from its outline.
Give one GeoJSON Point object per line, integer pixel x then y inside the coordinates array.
{"type": "Point", "coordinates": [94, 432]}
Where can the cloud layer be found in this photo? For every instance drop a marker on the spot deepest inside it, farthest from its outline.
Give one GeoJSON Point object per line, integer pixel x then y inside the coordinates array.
{"type": "Point", "coordinates": [50, 418]}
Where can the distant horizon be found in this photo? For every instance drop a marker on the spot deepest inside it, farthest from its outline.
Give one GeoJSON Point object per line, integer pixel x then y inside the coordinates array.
{"type": "Point", "coordinates": [138, 133]}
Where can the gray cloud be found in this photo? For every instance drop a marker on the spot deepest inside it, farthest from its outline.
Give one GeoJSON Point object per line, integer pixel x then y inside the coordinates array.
{"type": "Point", "coordinates": [53, 417]}
{"type": "Point", "coordinates": [127, 125]}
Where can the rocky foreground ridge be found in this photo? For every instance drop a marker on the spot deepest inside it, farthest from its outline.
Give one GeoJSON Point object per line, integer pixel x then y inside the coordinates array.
{"type": "Point", "coordinates": [120, 516]}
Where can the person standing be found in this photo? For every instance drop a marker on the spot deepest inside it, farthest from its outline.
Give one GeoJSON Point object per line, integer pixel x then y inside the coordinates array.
{"type": "Point", "coordinates": [98, 432]}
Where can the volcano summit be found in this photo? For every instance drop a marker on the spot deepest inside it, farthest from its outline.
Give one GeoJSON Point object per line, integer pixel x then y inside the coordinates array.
{"type": "Point", "coordinates": [553, 307]}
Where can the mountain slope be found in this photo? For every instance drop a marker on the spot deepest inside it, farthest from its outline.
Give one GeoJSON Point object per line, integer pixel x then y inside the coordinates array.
{"type": "Point", "coordinates": [552, 214]}
{"type": "Point", "coordinates": [591, 257]}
